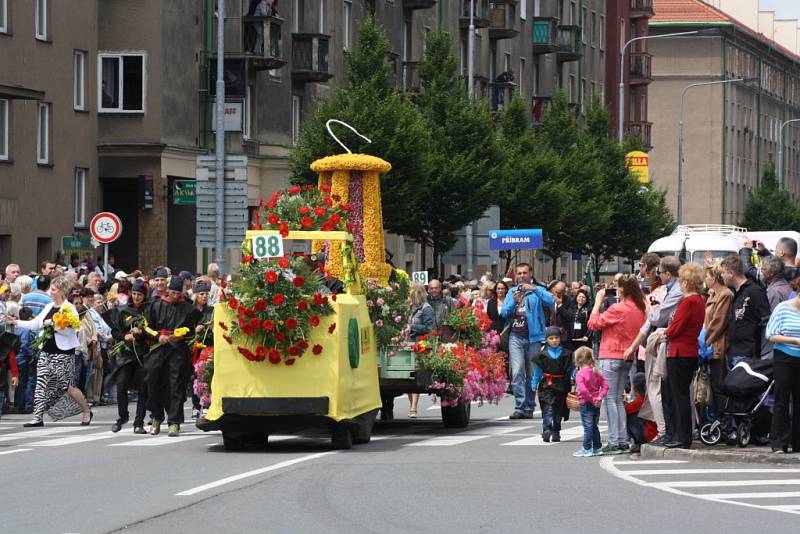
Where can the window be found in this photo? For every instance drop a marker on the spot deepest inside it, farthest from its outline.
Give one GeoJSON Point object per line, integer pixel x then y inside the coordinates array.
{"type": "Point", "coordinates": [122, 83]}
{"type": "Point", "coordinates": [43, 134]}
{"type": "Point", "coordinates": [247, 111]}
{"type": "Point", "coordinates": [321, 17]}
{"type": "Point", "coordinates": [523, 9]}
{"type": "Point", "coordinates": [594, 36]}
{"type": "Point", "coordinates": [296, 106]}
{"type": "Point", "coordinates": [78, 75]}
{"type": "Point", "coordinates": [347, 9]}
{"type": "Point", "coordinates": [522, 76]}
{"type": "Point", "coordinates": [602, 32]}
{"type": "Point", "coordinates": [80, 197]}
{"type": "Point", "coordinates": [3, 16]}
{"type": "Point", "coordinates": [5, 130]}
{"type": "Point", "coordinates": [506, 61]}
{"type": "Point", "coordinates": [584, 31]}
{"type": "Point", "coordinates": [41, 20]}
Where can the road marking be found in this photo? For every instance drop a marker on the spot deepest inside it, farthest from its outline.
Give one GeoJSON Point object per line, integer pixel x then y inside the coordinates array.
{"type": "Point", "coordinates": [705, 471]}
{"type": "Point", "coordinates": [40, 433]}
{"type": "Point", "coordinates": [762, 495]}
{"type": "Point", "coordinates": [495, 430]}
{"type": "Point", "coordinates": [155, 441]}
{"type": "Point", "coordinates": [785, 507]}
{"type": "Point", "coordinates": [643, 462]}
{"type": "Point", "coordinates": [724, 483]}
{"type": "Point", "coordinates": [447, 441]}
{"type": "Point", "coordinates": [254, 472]}
{"type": "Point", "coordinates": [568, 434]}
{"type": "Point", "coordinates": [73, 440]}
{"type": "Point", "coordinates": [14, 451]}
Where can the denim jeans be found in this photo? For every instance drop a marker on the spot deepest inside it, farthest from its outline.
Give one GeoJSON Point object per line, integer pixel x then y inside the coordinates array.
{"type": "Point", "coordinates": [615, 371]}
{"type": "Point", "coordinates": [21, 389]}
{"type": "Point", "coordinates": [520, 356]}
{"type": "Point", "coordinates": [590, 418]}
{"type": "Point", "coordinates": [3, 397]}
{"type": "Point", "coordinates": [31, 389]}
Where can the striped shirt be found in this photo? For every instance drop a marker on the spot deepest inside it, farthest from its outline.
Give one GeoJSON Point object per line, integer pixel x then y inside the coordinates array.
{"type": "Point", "coordinates": [785, 321]}
{"type": "Point", "coordinates": [35, 300]}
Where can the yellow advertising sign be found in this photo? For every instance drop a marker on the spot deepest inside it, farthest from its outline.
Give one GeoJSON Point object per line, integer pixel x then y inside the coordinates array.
{"type": "Point", "coordinates": [639, 164]}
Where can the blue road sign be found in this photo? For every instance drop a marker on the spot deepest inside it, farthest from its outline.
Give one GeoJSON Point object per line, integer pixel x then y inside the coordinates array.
{"type": "Point", "coordinates": [515, 239]}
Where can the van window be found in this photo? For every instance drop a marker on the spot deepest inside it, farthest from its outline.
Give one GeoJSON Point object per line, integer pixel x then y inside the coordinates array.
{"type": "Point", "coordinates": [699, 256]}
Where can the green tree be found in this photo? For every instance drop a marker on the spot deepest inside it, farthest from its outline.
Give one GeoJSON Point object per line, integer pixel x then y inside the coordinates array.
{"type": "Point", "coordinates": [465, 157]}
{"type": "Point", "coordinates": [372, 104]}
{"type": "Point", "coordinates": [770, 207]}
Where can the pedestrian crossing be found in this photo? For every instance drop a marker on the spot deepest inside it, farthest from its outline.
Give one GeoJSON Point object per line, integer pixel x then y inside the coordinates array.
{"type": "Point", "coordinates": [775, 488]}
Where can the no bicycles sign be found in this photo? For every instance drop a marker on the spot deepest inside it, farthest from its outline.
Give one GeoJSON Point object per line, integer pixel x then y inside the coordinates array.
{"type": "Point", "coordinates": [105, 227]}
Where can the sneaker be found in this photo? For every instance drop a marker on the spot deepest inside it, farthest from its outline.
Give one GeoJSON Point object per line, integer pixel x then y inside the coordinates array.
{"type": "Point", "coordinates": [195, 413]}
{"type": "Point", "coordinates": [116, 427]}
{"type": "Point", "coordinates": [139, 430]}
{"type": "Point", "coordinates": [517, 415]}
{"type": "Point", "coordinates": [174, 430]}
{"type": "Point", "coordinates": [624, 447]}
{"type": "Point", "coordinates": [555, 437]}
{"type": "Point", "coordinates": [611, 449]}
{"type": "Point", "coordinates": [155, 427]}
{"type": "Point", "coordinates": [636, 448]}
{"type": "Point", "coordinates": [527, 415]}
{"type": "Point", "coordinates": [546, 436]}
{"type": "Point", "coordinates": [583, 453]}
{"type": "Point", "coordinates": [597, 452]}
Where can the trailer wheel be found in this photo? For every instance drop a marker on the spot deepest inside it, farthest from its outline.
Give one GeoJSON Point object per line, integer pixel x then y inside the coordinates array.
{"type": "Point", "coordinates": [238, 441]}
{"type": "Point", "coordinates": [233, 441]}
{"type": "Point", "coordinates": [456, 416]}
{"type": "Point", "coordinates": [365, 423]}
{"type": "Point", "coordinates": [341, 438]}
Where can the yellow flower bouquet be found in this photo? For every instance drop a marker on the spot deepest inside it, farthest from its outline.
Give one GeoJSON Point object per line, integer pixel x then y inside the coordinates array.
{"type": "Point", "coordinates": [66, 318]}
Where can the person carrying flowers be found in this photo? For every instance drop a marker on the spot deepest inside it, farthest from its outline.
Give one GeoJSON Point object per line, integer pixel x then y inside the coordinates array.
{"type": "Point", "coordinates": [201, 346]}
{"type": "Point", "coordinates": [170, 319]}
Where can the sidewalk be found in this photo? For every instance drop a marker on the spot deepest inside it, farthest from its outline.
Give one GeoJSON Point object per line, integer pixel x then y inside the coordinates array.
{"type": "Point", "coordinates": [720, 453]}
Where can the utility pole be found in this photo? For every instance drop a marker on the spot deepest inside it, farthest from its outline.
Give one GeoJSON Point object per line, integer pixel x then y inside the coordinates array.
{"type": "Point", "coordinates": [219, 145]}
{"type": "Point", "coordinates": [471, 50]}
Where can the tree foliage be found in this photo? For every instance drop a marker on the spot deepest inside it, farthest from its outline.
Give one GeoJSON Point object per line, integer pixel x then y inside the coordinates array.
{"type": "Point", "coordinates": [770, 207]}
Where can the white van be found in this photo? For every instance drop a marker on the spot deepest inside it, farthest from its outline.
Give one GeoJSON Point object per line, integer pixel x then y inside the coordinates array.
{"type": "Point", "coordinates": [719, 239]}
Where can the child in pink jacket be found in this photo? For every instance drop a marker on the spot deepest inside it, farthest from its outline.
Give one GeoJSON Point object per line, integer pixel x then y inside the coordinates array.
{"type": "Point", "coordinates": [591, 389]}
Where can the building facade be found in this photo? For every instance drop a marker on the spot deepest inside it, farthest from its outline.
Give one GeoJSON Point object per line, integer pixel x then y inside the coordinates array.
{"type": "Point", "coordinates": [731, 130]}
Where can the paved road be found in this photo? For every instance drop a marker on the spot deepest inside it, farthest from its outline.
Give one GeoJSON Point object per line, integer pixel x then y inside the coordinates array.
{"type": "Point", "coordinates": [415, 476]}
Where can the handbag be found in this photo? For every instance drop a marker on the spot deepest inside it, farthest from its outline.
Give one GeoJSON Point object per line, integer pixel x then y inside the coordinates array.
{"type": "Point", "coordinates": [701, 387]}
{"type": "Point", "coordinates": [504, 335]}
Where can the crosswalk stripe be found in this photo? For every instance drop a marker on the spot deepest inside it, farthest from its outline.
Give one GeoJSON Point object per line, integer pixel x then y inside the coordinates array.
{"type": "Point", "coordinates": [446, 441]}
{"type": "Point", "coordinates": [705, 471]}
{"type": "Point", "coordinates": [568, 434]}
{"type": "Point", "coordinates": [73, 440]}
{"type": "Point", "coordinates": [724, 483]}
{"type": "Point", "coordinates": [14, 451]}
{"type": "Point", "coordinates": [753, 495]}
{"type": "Point", "coordinates": [785, 507]}
{"type": "Point", "coordinates": [154, 441]}
{"type": "Point", "coordinates": [40, 433]}
{"type": "Point", "coordinates": [643, 462]}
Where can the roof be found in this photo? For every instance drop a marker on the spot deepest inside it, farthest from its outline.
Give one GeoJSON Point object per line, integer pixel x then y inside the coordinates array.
{"type": "Point", "coordinates": [691, 12]}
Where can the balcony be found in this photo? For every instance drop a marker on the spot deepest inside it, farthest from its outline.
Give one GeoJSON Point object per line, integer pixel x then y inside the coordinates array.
{"type": "Point", "coordinates": [480, 17]}
{"type": "Point", "coordinates": [262, 42]}
{"type": "Point", "coordinates": [569, 43]}
{"type": "Point", "coordinates": [545, 35]}
{"type": "Point", "coordinates": [640, 68]}
{"type": "Point", "coordinates": [310, 58]}
{"type": "Point", "coordinates": [502, 90]}
{"type": "Point", "coordinates": [504, 24]}
{"type": "Point", "coordinates": [410, 82]}
{"type": "Point", "coordinates": [641, 131]}
{"type": "Point", "coordinates": [641, 9]}
{"type": "Point", "coordinates": [418, 4]}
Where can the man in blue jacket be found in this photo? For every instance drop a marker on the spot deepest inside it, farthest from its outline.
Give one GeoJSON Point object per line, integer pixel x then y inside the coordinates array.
{"type": "Point", "coordinates": [524, 307]}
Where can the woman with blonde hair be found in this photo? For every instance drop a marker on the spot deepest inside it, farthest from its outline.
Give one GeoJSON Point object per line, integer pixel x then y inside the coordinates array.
{"type": "Point", "coordinates": [420, 323]}
{"type": "Point", "coordinates": [682, 352]}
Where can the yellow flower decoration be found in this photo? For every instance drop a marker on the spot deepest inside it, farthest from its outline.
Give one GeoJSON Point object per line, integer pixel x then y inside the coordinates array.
{"type": "Point", "coordinates": [66, 319]}
{"type": "Point", "coordinates": [180, 332]}
{"type": "Point", "coordinates": [351, 162]}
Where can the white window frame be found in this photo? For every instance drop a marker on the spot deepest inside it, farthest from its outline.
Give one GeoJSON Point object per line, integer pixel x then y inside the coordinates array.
{"type": "Point", "coordinates": [79, 80]}
{"type": "Point", "coordinates": [5, 107]}
{"type": "Point", "coordinates": [120, 56]}
{"type": "Point", "coordinates": [523, 9]}
{"type": "Point", "coordinates": [40, 12]}
{"type": "Point", "coordinates": [3, 16]}
{"type": "Point", "coordinates": [296, 110]}
{"type": "Point", "coordinates": [43, 137]}
{"type": "Point", "coordinates": [79, 201]}
{"type": "Point", "coordinates": [347, 14]}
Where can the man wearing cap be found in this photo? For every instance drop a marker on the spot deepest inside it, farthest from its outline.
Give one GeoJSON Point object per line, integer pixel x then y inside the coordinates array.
{"type": "Point", "coordinates": [129, 372]}
{"type": "Point", "coordinates": [160, 277]}
{"type": "Point", "coordinates": [168, 363]}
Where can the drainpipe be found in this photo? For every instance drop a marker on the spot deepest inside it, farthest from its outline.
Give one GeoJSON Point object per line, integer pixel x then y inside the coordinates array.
{"type": "Point", "coordinates": [441, 15]}
{"type": "Point", "coordinates": [724, 134]}
{"type": "Point", "coordinates": [208, 41]}
{"type": "Point", "coordinates": [758, 123]}
{"type": "Point", "coordinates": [580, 62]}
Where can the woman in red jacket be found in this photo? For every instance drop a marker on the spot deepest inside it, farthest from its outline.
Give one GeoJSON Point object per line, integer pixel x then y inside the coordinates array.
{"type": "Point", "coordinates": [682, 351]}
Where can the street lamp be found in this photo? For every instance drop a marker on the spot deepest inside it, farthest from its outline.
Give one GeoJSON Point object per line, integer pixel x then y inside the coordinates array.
{"type": "Point", "coordinates": [621, 119]}
{"type": "Point", "coordinates": [780, 149]}
{"type": "Point", "coordinates": [680, 137]}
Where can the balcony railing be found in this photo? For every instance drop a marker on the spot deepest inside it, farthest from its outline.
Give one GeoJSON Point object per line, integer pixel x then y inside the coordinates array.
{"type": "Point", "coordinates": [504, 24]}
{"type": "Point", "coordinates": [310, 52]}
{"type": "Point", "coordinates": [418, 4]}
{"type": "Point", "coordinates": [569, 39]}
{"type": "Point", "coordinates": [410, 82]}
{"type": "Point", "coordinates": [480, 17]}
{"type": "Point", "coordinates": [640, 69]}
{"type": "Point", "coordinates": [262, 41]}
{"type": "Point", "coordinates": [641, 131]}
{"type": "Point", "coordinates": [641, 9]}
{"type": "Point", "coordinates": [545, 35]}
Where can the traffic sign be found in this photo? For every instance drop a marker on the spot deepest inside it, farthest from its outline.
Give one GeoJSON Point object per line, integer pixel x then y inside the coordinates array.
{"type": "Point", "coordinates": [105, 227]}
{"type": "Point", "coordinates": [236, 214]}
{"type": "Point", "coordinates": [515, 239]}
{"type": "Point", "coordinates": [420, 277]}
{"type": "Point", "coordinates": [639, 164]}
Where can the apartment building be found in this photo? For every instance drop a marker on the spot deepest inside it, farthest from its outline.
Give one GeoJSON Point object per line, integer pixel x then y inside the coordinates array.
{"type": "Point", "coordinates": [731, 130]}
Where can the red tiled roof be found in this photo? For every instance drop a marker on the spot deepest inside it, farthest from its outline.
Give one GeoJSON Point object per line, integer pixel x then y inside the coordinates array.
{"type": "Point", "coordinates": [697, 11]}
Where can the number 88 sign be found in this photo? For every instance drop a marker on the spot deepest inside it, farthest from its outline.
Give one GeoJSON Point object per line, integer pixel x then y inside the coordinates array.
{"type": "Point", "coordinates": [267, 246]}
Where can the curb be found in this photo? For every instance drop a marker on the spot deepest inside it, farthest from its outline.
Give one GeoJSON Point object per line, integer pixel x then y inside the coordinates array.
{"type": "Point", "coordinates": [649, 451]}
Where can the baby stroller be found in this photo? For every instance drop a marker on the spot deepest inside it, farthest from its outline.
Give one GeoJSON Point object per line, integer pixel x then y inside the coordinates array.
{"type": "Point", "coordinates": [746, 389]}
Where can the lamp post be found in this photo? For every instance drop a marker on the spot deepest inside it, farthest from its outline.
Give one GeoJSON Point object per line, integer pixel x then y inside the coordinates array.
{"type": "Point", "coordinates": [780, 148]}
{"type": "Point", "coordinates": [471, 50]}
{"type": "Point", "coordinates": [680, 137]}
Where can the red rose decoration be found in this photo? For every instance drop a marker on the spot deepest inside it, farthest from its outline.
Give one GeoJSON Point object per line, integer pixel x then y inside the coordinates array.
{"type": "Point", "coordinates": [268, 325]}
{"type": "Point", "coordinates": [328, 202]}
{"type": "Point", "coordinates": [333, 297]}
{"type": "Point", "coordinates": [298, 281]}
{"type": "Point", "coordinates": [304, 210]}
{"type": "Point", "coordinates": [335, 219]}
{"type": "Point", "coordinates": [294, 189]}
{"type": "Point", "coordinates": [316, 350]}
{"type": "Point", "coordinates": [280, 337]}
{"type": "Point", "coordinates": [291, 323]}
{"type": "Point", "coordinates": [278, 299]}
{"type": "Point", "coordinates": [303, 344]}
{"type": "Point", "coordinates": [273, 219]}
{"type": "Point", "coordinates": [233, 303]}
{"type": "Point", "coordinates": [319, 299]}
{"type": "Point", "coordinates": [283, 263]}
{"type": "Point", "coordinates": [274, 356]}
{"type": "Point", "coordinates": [331, 328]}
{"type": "Point", "coordinates": [271, 277]}
{"type": "Point", "coordinates": [325, 188]}
{"type": "Point", "coordinates": [261, 352]}
{"type": "Point", "coordinates": [302, 305]}
{"type": "Point", "coordinates": [247, 259]}
{"type": "Point", "coordinates": [294, 350]}
{"type": "Point", "coordinates": [319, 211]}
{"type": "Point", "coordinates": [284, 229]}
{"type": "Point", "coordinates": [336, 198]}
{"type": "Point", "coordinates": [260, 305]}
{"type": "Point", "coordinates": [306, 222]}
{"type": "Point", "coordinates": [255, 323]}
{"type": "Point", "coordinates": [314, 320]}
{"type": "Point", "coordinates": [290, 361]}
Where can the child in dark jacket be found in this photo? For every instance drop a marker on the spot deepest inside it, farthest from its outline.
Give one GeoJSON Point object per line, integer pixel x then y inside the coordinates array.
{"type": "Point", "coordinates": [553, 377]}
